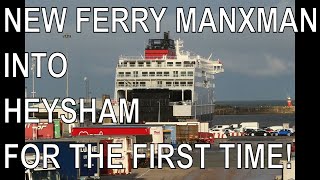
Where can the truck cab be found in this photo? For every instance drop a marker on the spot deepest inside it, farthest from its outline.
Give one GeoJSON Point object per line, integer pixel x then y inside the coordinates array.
{"type": "Point", "coordinates": [39, 173]}
{"type": "Point", "coordinates": [43, 174]}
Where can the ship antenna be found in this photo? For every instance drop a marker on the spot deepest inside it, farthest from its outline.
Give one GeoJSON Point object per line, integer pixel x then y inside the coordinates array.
{"type": "Point", "coordinates": [209, 57]}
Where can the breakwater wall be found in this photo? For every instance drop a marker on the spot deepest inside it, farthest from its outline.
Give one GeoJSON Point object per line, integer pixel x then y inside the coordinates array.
{"type": "Point", "coordinates": [229, 110]}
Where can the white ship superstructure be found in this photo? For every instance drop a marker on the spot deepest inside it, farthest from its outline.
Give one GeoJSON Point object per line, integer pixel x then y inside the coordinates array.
{"type": "Point", "coordinates": [171, 84]}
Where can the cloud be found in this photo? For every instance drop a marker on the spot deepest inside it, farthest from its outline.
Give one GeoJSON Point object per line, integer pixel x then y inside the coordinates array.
{"type": "Point", "coordinates": [260, 61]}
{"type": "Point", "coordinates": [267, 66]}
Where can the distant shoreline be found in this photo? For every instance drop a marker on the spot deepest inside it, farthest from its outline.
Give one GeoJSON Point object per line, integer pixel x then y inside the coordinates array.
{"type": "Point", "coordinates": [246, 110]}
{"type": "Point", "coordinates": [253, 103]}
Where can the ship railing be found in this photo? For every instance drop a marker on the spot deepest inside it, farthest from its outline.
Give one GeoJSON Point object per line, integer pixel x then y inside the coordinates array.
{"type": "Point", "coordinates": [155, 58]}
{"type": "Point", "coordinates": [143, 58]}
{"type": "Point", "coordinates": [156, 75]}
{"type": "Point", "coordinates": [155, 86]}
{"type": "Point", "coordinates": [157, 65]}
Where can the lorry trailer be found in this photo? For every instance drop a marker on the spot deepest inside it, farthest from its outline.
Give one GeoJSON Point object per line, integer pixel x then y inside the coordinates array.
{"type": "Point", "coordinates": [66, 157]}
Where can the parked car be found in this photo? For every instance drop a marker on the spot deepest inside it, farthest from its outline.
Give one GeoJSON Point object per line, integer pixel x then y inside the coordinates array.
{"type": "Point", "coordinates": [269, 130]}
{"type": "Point", "coordinates": [283, 132]}
{"type": "Point", "coordinates": [261, 132]}
{"type": "Point", "coordinates": [215, 130]}
{"type": "Point", "coordinates": [249, 132]}
{"type": "Point", "coordinates": [221, 127]}
{"type": "Point", "coordinates": [227, 131]}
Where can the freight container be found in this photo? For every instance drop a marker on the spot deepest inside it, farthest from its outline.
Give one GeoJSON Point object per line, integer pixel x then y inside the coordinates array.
{"type": "Point", "coordinates": [84, 171]}
{"type": "Point", "coordinates": [144, 139]}
{"type": "Point", "coordinates": [39, 131]}
{"type": "Point", "coordinates": [125, 152]}
{"type": "Point", "coordinates": [170, 134]}
{"type": "Point", "coordinates": [205, 137]}
{"type": "Point", "coordinates": [203, 127]}
{"type": "Point", "coordinates": [167, 136]}
{"type": "Point", "coordinates": [187, 133]}
{"type": "Point", "coordinates": [157, 136]}
{"type": "Point", "coordinates": [110, 130]}
{"type": "Point", "coordinates": [106, 170]}
{"type": "Point", "coordinates": [57, 129]}
{"type": "Point", "coordinates": [66, 157]}
{"type": "Point", "coordinates": [40, 172]}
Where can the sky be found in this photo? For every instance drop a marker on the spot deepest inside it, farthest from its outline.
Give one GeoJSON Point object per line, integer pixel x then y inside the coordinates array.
{"type": "Point", "coordinates": [258, 66]}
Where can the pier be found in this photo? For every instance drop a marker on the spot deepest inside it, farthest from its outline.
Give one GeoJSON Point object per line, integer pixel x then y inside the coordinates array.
{"type": "Point", "coordinates": [235, 110]}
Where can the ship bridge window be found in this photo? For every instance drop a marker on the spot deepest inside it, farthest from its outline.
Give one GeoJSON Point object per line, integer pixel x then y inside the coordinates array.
{"type": "Point", "coordinates": [152, 74]}
{"type": "Point", "coordinates": [190, 83]}
{"type": "Point", "coordinates": [140, 64]}
{"type": "Point", "coordinates": [144, 74]}
{"type": "Point", "coordinates": [190, 73]}
{"type": "Point", "coordinates": [183, 83]}
{"type": "Point", "coordinates": [132, 64]}
{"type": "Point", "coordinates": [159, 64]}
{"type": "Point", "coordinates": [178, 64]}
{"type": "Point", "coordinates": [169, 64]}
{"type": "Point", "coordinates": [159, 73]}
{"type": "Point", "coordinates": [134, 84]}
{"type": "Point", "coordinates": [188, 64]}
{"type": "Point", "coordinates": [175, 73]}
{"type": "Point", "coordinates": [148, 64]}
{"type": "Point", "coordinates": [176, 83]}
{"type": "Point", "coordinates": [121, 84]}
{"type": "Point", "coordinates": [120, 74]}
{"type": "Point", "coordinates": [166, 73]}
{"type": "Point", "coordinates": [135, 73]}
{"type": "Point", "coordinates": [142, 84]}
{"type": "Point", "coordinates": [168, 83]}
{"type": "Point", "coordinates": [183, 73]}
{"type": "Point", "coordinates": [128, 74]}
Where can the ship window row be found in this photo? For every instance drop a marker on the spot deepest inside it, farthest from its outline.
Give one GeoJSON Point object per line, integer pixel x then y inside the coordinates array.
{"type": "Point", "coordinates": [159, 74]}
{"type": "Point", "coordinates": [156, 64]}
{"type": "Point", "coordinates": [158, 84]}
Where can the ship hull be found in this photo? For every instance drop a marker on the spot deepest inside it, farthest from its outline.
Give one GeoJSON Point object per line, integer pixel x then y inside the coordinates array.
{"type": "Point", "coordinates": [157, 105]}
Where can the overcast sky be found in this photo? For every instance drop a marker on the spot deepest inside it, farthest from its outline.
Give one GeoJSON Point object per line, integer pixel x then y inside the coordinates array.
{"type": "Point", "coordinates": [258, 66]}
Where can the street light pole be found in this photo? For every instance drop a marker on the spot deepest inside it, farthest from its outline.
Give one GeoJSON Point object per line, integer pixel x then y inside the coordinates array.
{"type": "Point", "coordinates": [159, 112]}
{"type": "Point", "coordinates": [86, 88]}
{"type": "Point", "coordinates": [33, 69]}
{"type": "Point", "coordinates": [67, 36]}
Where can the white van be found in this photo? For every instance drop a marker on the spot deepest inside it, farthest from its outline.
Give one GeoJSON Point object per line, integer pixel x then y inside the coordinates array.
{"type": "Point", "coordinates": [247, 125]}
{"type": "Point", "coordinates": [221, 127]}
{"type": "Point", "coordinates": [276, 128]}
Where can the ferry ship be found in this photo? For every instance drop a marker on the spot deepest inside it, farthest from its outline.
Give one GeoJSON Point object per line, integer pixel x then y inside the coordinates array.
{"type": "Point", "coordinates": [171, 84]}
